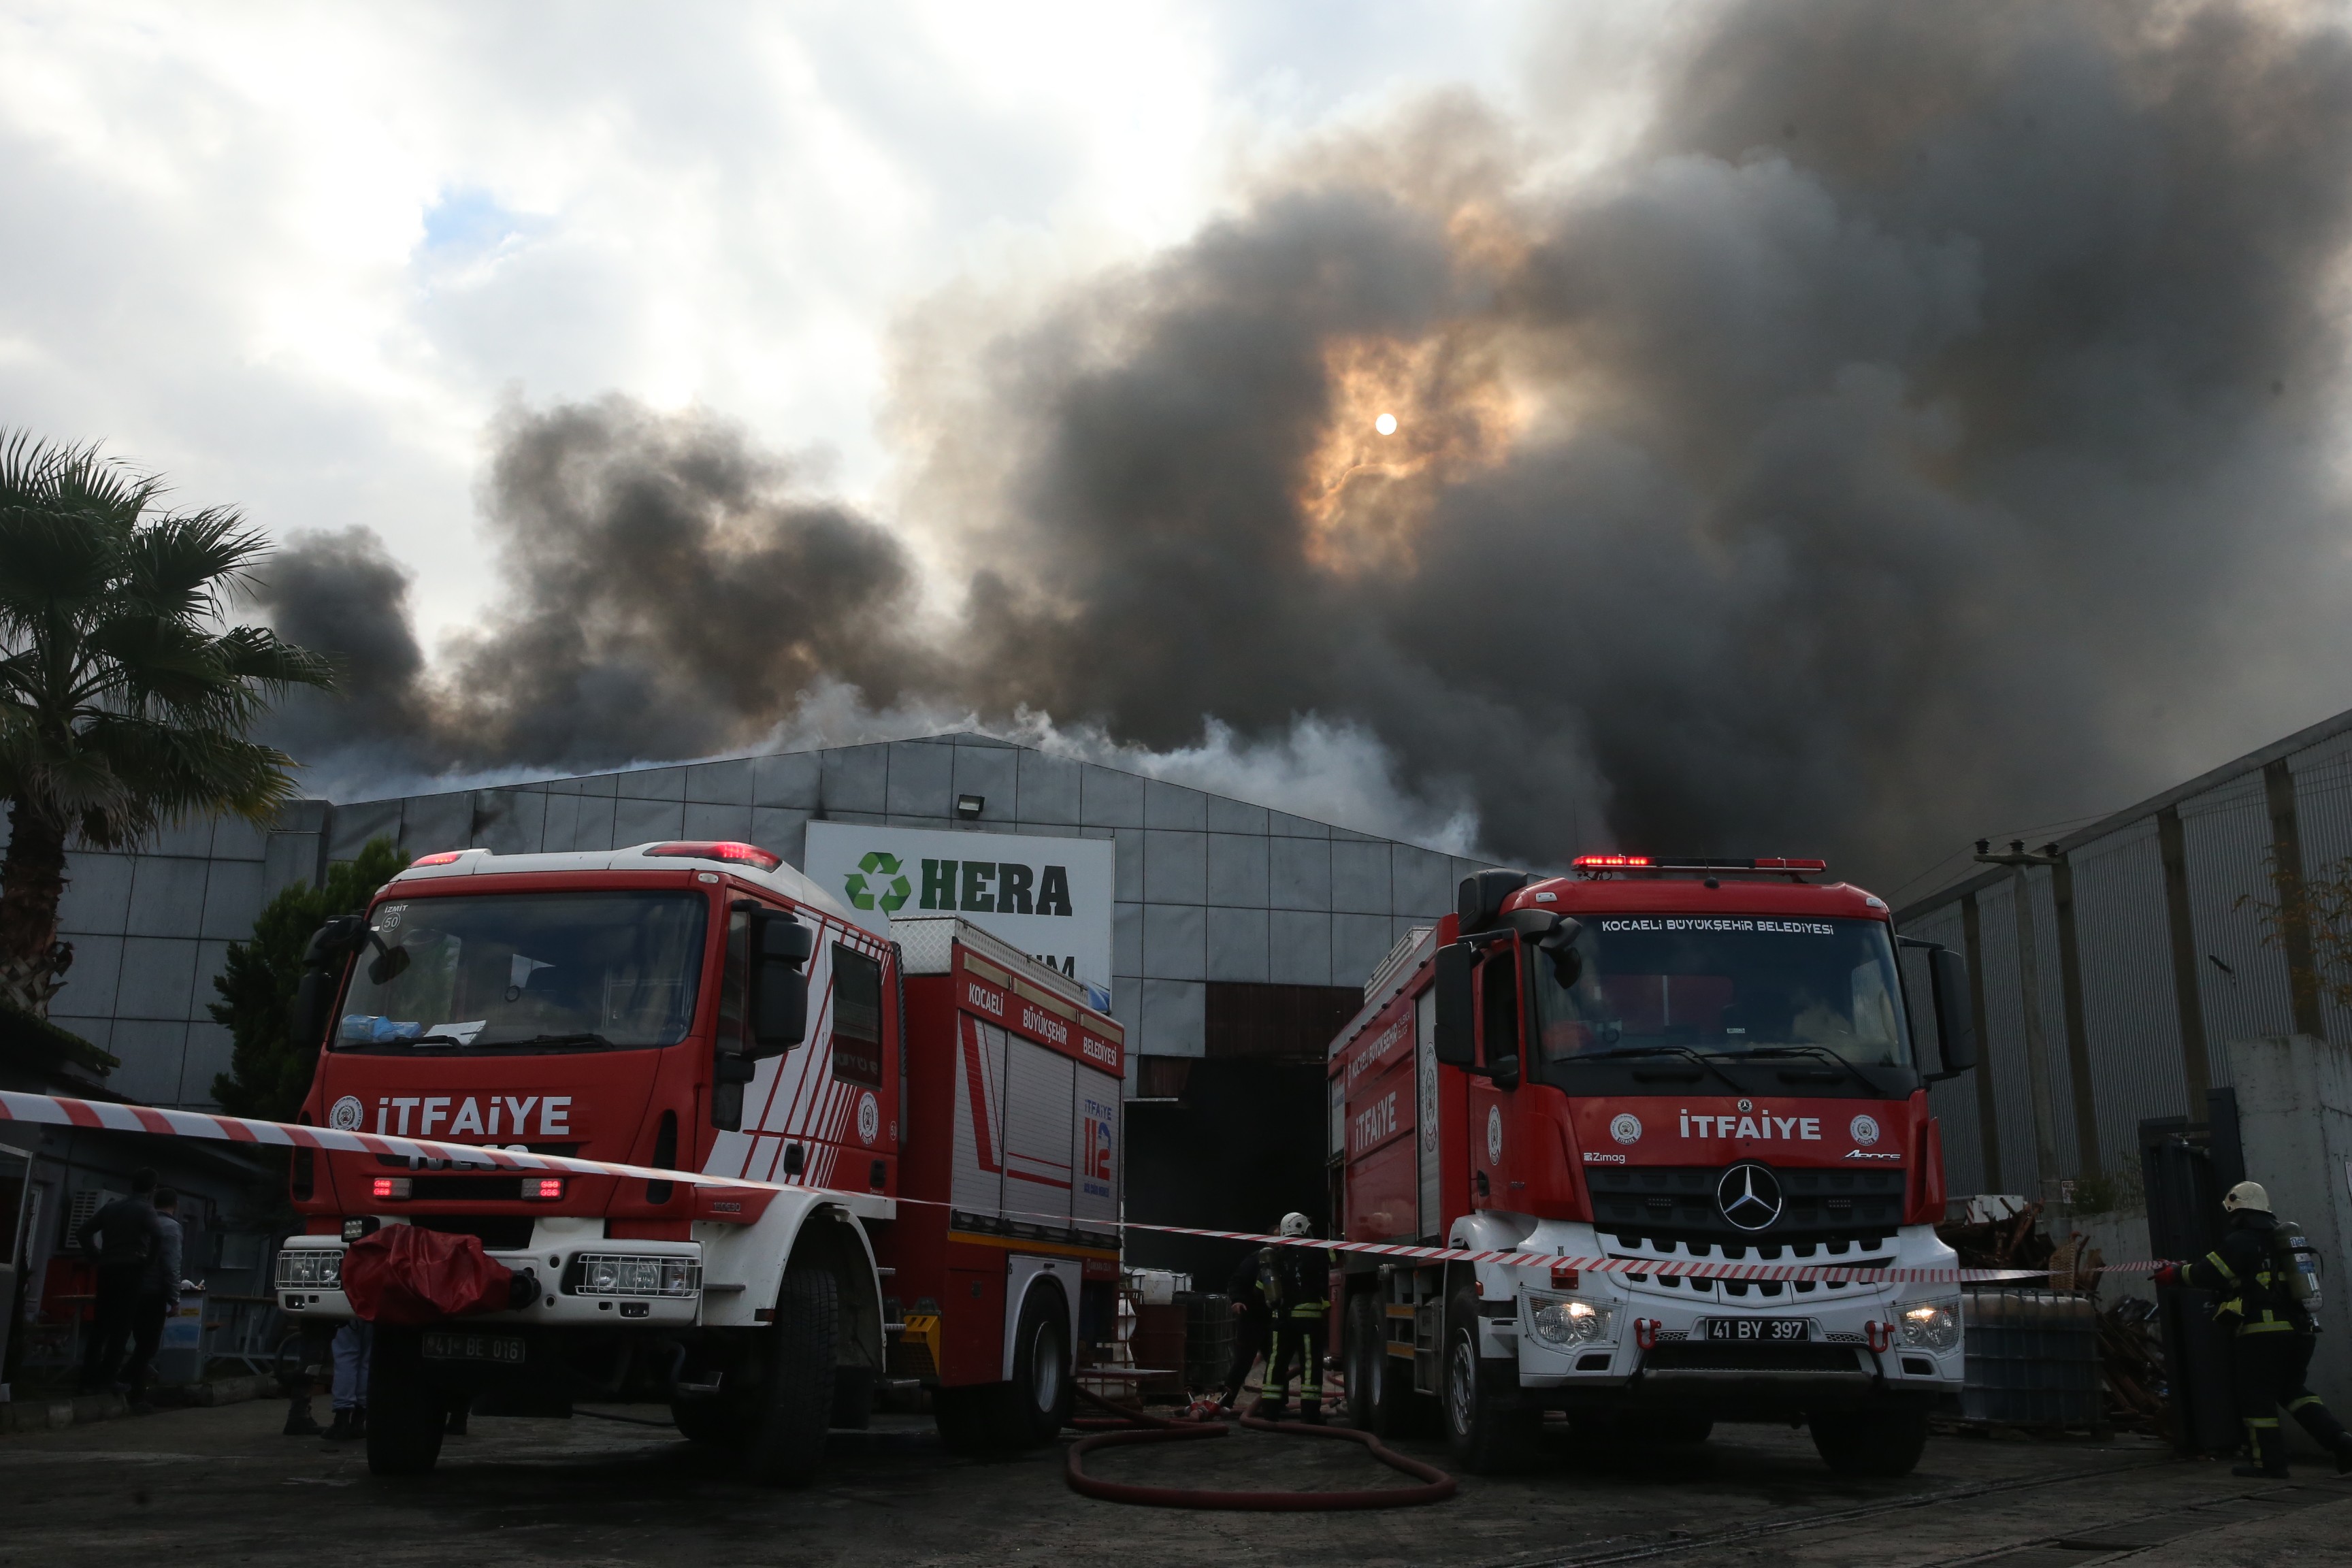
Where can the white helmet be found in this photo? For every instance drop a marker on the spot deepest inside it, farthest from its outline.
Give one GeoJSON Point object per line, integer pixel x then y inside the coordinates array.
{"type": "Point", "coordinates": [1296, 1224]}
{"type": "Point", "coordinates": [2246, 1196]}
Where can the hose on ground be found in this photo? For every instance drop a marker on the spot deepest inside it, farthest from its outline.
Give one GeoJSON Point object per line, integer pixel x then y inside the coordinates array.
{"type": "Point", "coordinates": [1131, 1427]}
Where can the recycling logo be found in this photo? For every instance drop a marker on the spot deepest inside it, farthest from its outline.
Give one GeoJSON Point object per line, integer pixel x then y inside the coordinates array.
{"type": "Point", "coordinates": [878, 883]}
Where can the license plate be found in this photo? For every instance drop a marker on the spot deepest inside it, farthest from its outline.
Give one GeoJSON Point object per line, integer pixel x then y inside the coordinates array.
{"type": "Point", "coordinates": [1757, 1330]}
{"type": "Point", "coordinates": [501, 1348]}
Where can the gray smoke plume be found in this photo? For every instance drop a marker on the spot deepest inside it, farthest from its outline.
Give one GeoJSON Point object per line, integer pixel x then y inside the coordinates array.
{"type": "Point", "coordinates": [1925, 430]}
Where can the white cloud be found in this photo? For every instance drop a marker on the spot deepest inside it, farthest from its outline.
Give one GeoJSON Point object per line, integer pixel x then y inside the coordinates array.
{"type": "Point", "coordinates": [296, 255]}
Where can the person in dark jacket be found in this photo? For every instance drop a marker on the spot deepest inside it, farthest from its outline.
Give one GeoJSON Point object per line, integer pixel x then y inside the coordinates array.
{"type": "Point", "coordinates": [1249, 1327]}
{"type": "Point", "coordinates": [1297, 1284]}
{"type": "Point", "coordinates": [130, 1240]}
{"type": "Point", "coordinates": [2271, 1345]}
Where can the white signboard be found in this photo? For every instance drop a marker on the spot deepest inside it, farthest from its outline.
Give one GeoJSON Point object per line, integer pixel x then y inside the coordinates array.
{"type": "Point", "coordinates": [1051, 898]}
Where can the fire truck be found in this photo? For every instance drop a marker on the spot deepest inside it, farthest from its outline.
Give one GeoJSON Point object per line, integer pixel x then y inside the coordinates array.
{"type": "Point", "coordinates": [1651, 1061]}
{"type": "Point", "coordinates": [939, 1112]}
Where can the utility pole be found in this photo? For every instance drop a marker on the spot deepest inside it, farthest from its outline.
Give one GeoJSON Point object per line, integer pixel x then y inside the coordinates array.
{"type": "Point", "coordinates": [2029, 971]}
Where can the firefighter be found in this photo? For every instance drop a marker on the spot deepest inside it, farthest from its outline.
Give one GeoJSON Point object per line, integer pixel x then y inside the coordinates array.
{"type": "Point", "coordinates": [1297, 1284]}
{"type": "Point", "coordinates": [2269, 1348]}
{"type": "Point", "coordinates": [1249, 1310]}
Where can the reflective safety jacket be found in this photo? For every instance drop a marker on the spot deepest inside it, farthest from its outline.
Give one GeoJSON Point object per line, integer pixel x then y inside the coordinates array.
{"type": "Point", "coordinates": [1296, 1281]}
{"type": "Point", "coordinates": [2251, 1282]}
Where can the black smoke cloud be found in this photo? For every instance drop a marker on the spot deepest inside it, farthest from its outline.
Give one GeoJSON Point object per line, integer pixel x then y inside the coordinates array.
{"type": "Point", "coordinates": [1925, 430]}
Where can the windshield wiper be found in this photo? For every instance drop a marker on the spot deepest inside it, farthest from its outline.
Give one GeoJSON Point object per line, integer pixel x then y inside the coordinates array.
{"type": "Point", "coordinates": [581, 1037]}
{"type": "Point", "coordinates": [1826, 1054]}
{"type": "Point", "coordinates": [1702, 1058]}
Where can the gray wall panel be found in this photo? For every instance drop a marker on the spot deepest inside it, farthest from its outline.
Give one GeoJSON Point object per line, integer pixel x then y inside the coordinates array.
{"type": "Point", "coordinates": [1048, 788]}
{"type": "Point", "coordinates": [233, 897]}
{"type": "Point", "coordinates": [1174, 942]}
{"type": "Point", "coordinates": [158, 976]}
{"type": "Point", "coordinates": [792, 780]}
{"type": "Point", "coordinates": [2227, 832]}
{"type": "Point", "coordinates": [992, 775]}
{"type": "Point", "coordinates": [1299, 948]}
{"type": "Point", "coordinates": [1109, 798]}
{"type": "Point", "coordinates": [430, 824]}
{"type": "Point", "coordinates": [1235, 815]}
{"type": "Point", "coordinates": [710, 820]}
{"type": "Point", "coordinates": [1237, 869]}
{"type": "Point", "coordinates": [1360, 876]}
{"type": "Point", "coordinates": [1175, 1017]}
{"type": "Point", "coordinates": [2129, 1011]}
{"type": "Point", "coordinates": [1173, 805]}
{"type": "Point", "coordinates": [167, 896]}
{"type": "Point", "coordinates": [1236, 943]}
{"type": "Point", "coordinates": [725, 782]}
{"type": "Point", "coordinates": [856, 778]}
{"type": "Point", "coordinates": [647, 821]}
{"type": "Point", "coordinates": [1175, 867]}
{"type": "Point", "coordinates": [97, 892]}
{"type": "Point", "coordinates": [1299, 873]}
{"type": "Point", "coordinates": [922, 779]}
{"type": "Point", "coordinates": [359, 822]}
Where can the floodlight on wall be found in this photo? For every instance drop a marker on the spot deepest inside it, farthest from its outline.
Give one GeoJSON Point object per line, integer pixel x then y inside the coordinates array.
{"type": "Point", "coordinates": [969, 807]}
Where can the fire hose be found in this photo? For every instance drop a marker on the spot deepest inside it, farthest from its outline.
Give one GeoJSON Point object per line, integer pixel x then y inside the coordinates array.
{"type": "Point", "coordinates": [1127, 1427]}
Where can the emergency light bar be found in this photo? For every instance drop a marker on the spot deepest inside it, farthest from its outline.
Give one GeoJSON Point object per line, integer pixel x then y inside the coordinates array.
{"type": "Point", "coordinates": [1649, 863]}
{"type": "Point", "coordinates": [749, 854]}
{"type": "Point", "coordinates": [443, 858]}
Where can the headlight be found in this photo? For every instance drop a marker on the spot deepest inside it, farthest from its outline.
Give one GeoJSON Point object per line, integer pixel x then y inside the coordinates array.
{"type": "Point", "coordinates": [614, 1274]}
{"type": "Point", "coordinates": [310, 1269]}
{"type": "Point", "coordinates": [1566, 1321]}
{"type": "Point", "coordinates": [1932, 1325]}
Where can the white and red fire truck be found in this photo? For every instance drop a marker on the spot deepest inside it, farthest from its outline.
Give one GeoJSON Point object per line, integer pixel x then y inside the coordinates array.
{"type": "Point", "coordinates": [1677, 1062]}
{"type": "Point", "coordinates": [942, 1112]}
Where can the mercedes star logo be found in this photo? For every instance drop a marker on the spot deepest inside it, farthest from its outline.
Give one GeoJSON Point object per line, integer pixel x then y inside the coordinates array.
{"type": "Point", "coordinates": [1749, 1196]}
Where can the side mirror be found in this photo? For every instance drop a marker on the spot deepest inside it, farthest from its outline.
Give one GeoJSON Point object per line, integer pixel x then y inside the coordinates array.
{"type": "Point", "coordinates": [1503, 1072]}
{"type": "Point", "coordinates": [1455, 1040]}
{"type": "Point", "coordinates": [344, 934]}
{"type": "Point", "coordinates": [306, 1021]}
{"type": "Point", "coordinates": [1479, 897]}
{"type": "Point", "coordinates": [1956, 1017]}
{"type": "Point", "coordinates": [777, 1007]}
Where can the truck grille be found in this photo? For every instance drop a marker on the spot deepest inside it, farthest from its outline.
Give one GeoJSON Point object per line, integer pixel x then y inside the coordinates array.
{"type": "Point", "coordinates": [1696, 1355]}
{"type": "Point", "coordinates": [1671, 1204]}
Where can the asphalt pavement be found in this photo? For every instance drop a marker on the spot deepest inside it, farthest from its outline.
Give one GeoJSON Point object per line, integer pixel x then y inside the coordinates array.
{"type": "Point", "coordinates": [205, 1486]}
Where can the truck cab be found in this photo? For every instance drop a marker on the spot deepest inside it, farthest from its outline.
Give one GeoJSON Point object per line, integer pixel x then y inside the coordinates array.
{"type": "Point", "coordinates": [1651, 1063]}
{"type": "Point", "coordinates": [701, 1007]}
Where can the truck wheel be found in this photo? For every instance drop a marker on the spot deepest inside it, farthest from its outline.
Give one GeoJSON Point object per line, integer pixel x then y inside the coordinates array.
{"type": "Point", "coordinates": [1380, 1391]}
{"type": "Point", "coordinates": [405, 1412]}
{"type": "Point", "coordinates": [1484, 1434]}
{"type": "Point", "coordinates": [1883, 1442]}
{"type": "Point", "coordinates": [786, 1439]}
{"type": "Point", "coordinates": [1037, 1400]}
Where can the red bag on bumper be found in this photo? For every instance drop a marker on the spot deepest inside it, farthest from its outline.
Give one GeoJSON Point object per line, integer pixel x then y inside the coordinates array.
{"type": "Point", "coordinates": [405, 1275]}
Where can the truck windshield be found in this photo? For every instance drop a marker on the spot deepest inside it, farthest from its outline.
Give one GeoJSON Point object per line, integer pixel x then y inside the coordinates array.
{"type": "Point", "coordinates": [1738, 985]}
{"type": "Point", "coordinates": [527, 971]}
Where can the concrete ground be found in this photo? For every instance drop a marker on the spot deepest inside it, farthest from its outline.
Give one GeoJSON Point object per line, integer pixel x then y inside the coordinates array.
{"type": "Point", "coordinates": [220, 1485]}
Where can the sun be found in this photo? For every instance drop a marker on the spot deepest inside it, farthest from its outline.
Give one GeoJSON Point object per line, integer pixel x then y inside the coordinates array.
{"type": "Point", "coordinates": [1385, 425]}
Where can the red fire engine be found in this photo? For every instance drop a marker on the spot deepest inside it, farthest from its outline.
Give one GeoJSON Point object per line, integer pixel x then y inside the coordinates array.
{"type": "Point", "coordinates": [943, 1111]}
{"type": "Point", "coordinates": [1650, 1061]}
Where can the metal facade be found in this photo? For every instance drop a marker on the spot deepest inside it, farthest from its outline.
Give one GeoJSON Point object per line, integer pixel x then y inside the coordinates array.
{"type": "Point", "coordinates": [2294, 797]}
{"type": "Point", "coordinates": [1209, 889]}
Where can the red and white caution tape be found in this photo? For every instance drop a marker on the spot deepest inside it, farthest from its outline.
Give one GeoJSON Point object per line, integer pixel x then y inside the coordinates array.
{"type": "Point", "coordinates": [59, 1112]}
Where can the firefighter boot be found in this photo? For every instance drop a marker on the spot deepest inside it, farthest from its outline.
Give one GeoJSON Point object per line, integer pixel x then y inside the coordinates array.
{"type": "Point", "coordinates": [341, 1430]}
{"type": "Point", "coordinates": [1311, 1412]}
{"type": "Point", "coordinates": [2270, 1449]}
{"type": "Point", "coordinates": [300, 1422]}
{"type": "Point", "coordinates": [1272, 1408]}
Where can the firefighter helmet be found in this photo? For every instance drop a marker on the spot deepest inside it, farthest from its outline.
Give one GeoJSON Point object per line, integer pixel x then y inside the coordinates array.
{"type": "Point", "coordinates": [2246, 1196]}
{"type": "Point", "coordinates": [1296, 1224]}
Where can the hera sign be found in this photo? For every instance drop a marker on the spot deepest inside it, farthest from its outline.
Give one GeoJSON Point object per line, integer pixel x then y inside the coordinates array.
{"type": "Point", "coordinates": [1049, 896]}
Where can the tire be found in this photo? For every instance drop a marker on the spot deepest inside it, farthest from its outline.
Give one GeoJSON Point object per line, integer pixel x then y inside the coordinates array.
{"type": "Point", "coordinates": [1037, 1400]}
{"type": "Point", "coordinates": [1883, 1442]}
{"type": "Point", "coordinates": [1379, 1387]}
{"type": "Point", "coordinates": [406, 1414]}
{"type": "Point", "coordinates": [785, 1442]}
{"type": "Point", "coordinates": [1032, 1409]}
{"type": "Point", "coordinates": [1485, 1434]}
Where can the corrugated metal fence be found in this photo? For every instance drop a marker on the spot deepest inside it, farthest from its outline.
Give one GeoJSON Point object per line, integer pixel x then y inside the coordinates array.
{"type": "Point", "coordinates": [2150, 949]}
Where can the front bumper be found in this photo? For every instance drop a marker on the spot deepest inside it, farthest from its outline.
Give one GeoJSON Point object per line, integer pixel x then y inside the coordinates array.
{"type": "Point", "coordinates": [566, 1298]}
{"type": "Point", "coordinates": [1857, 1342]}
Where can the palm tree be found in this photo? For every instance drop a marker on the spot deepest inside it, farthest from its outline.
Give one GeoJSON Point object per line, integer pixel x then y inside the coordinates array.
{"type": "Point", "coordinates": [124, 701]}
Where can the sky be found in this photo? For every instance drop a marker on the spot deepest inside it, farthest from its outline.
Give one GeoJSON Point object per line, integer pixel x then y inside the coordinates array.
{"type": "Point", "coordinates": [298, 258]}
{"type": "Point", "coordinates": [1701, 426]}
